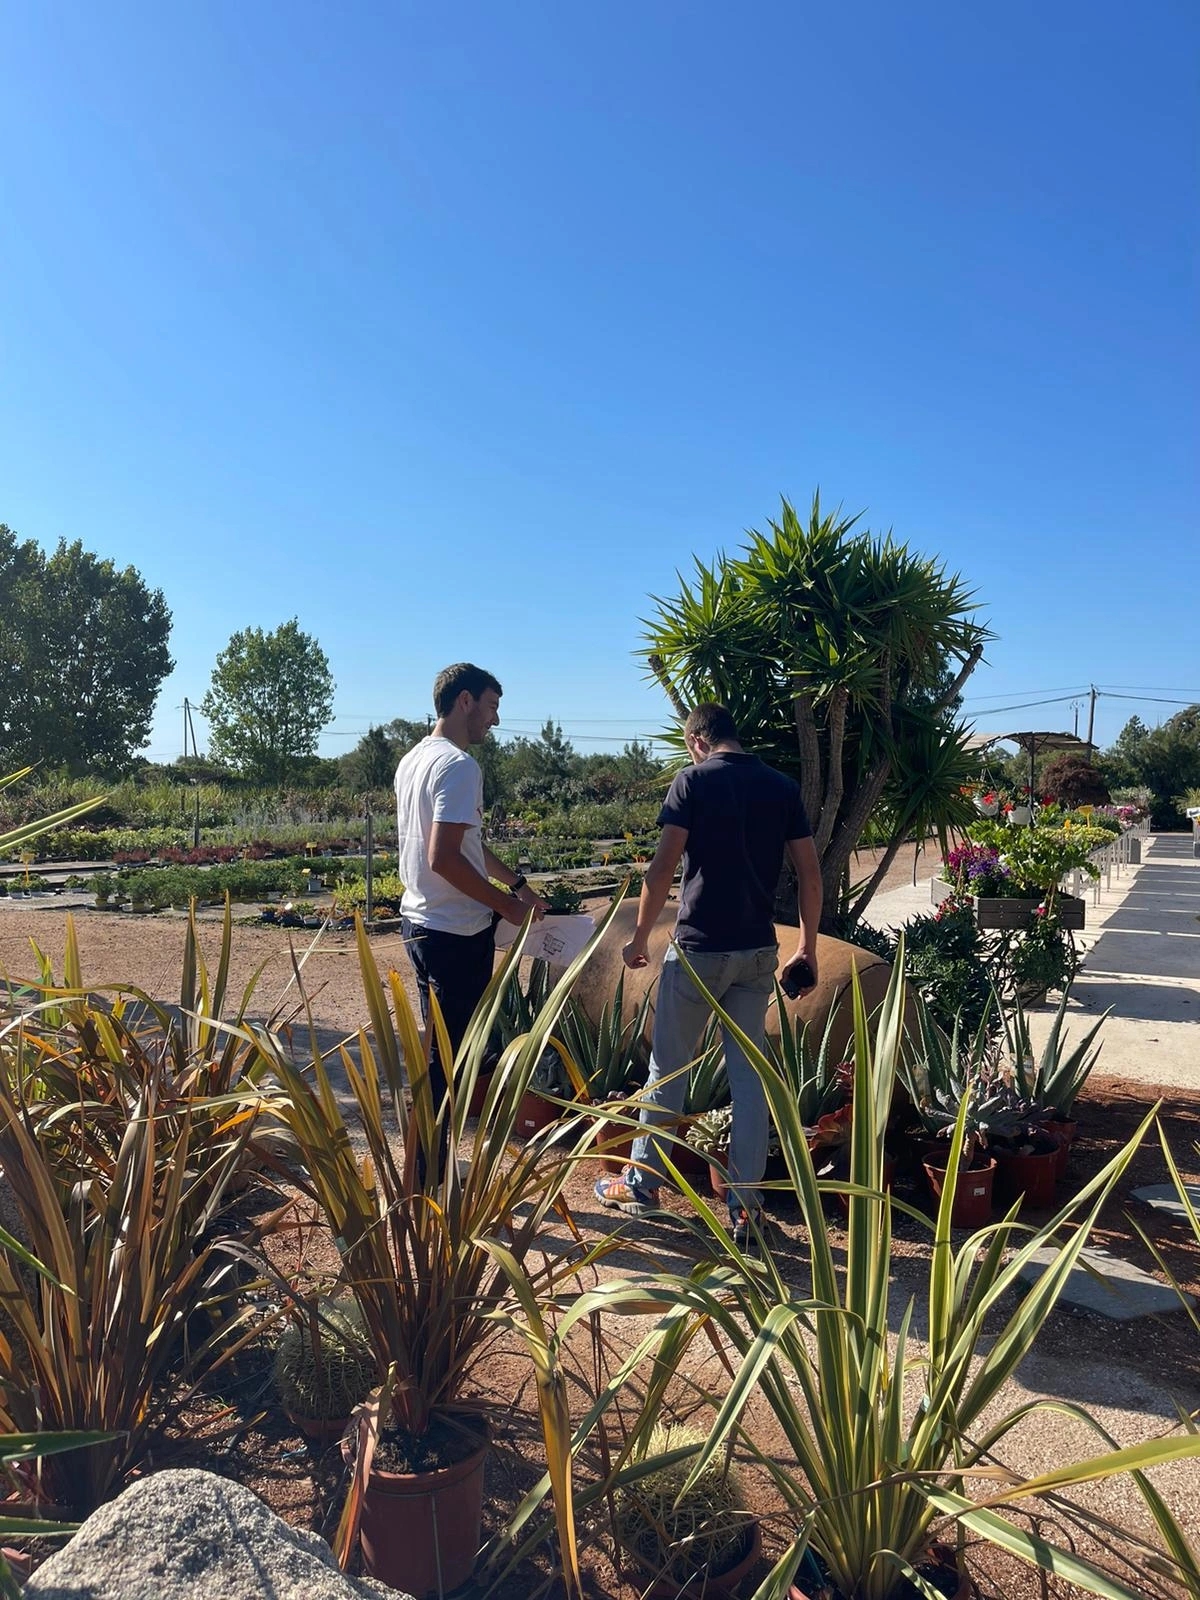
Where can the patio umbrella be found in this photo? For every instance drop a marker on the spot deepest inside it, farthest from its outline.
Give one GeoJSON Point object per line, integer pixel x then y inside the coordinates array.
{"type": "Point", "coordinates": [1034, 743]}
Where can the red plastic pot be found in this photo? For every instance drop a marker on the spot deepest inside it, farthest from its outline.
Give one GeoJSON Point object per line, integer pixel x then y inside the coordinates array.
{"type": "Point", "coordinates": [1062, 1131]}
{"type": "Point", "coordinates": [321, 1430]}
{"type": "Point", "coordinates": [534, 1113]}
{"type": "Point", "coordinates": [972, 1196]}
{"type": "Point", "coordinates": [1030, 1177]}
{"type": "Point", "coordinates": [420, 1531]}
{"type": "Point", "coordinates": [716, 1182]}
{"type": "Point", "coordinates": [479, 1093]}
{"type": "Point", "coordinates": [615, 1150]}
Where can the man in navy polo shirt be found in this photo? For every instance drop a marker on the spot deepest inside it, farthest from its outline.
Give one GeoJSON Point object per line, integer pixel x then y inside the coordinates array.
{"type": "Point", "coordinates": [731, 819]}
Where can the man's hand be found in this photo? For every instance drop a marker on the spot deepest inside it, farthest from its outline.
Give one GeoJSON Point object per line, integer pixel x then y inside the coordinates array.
{"type": "Point", "coordinates": [530, 900]}
{"type": "Point", "coordinates": [791, 965]}
{"type": "Point", "coordinates": [634, 954]}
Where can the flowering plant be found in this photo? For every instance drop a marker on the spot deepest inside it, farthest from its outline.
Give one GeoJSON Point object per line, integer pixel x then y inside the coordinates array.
{"type": "Point", "coordinates": [976, 869]}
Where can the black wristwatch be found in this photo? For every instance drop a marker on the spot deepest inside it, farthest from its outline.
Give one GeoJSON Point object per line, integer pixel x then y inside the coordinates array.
{"type": "Point", "coordinates": [521, 881]}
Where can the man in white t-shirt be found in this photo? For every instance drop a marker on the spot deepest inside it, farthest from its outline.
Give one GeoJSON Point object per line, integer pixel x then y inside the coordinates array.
{"type": "Point", "coordinates": [450, 908]}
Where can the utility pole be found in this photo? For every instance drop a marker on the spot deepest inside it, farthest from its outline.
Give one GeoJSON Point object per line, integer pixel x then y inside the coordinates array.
{"type": "Point", "coordinates": [1091, 721]}
{"type": "Point", "coordinates": [1075, 709]}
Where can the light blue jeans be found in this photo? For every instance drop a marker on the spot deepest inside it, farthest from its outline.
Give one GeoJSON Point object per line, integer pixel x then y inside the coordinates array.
{"type": "Point", "coordinates": [743, 982]}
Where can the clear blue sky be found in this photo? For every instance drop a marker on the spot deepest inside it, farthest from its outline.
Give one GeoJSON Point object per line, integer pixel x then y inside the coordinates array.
{"type": "Point", "coordinates": [456, 329]}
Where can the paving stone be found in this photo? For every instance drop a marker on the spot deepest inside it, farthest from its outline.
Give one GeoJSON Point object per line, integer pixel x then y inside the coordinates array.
{"type": "Point", "coordinates": [1165, 1197]}
{"type": "Point", "coordinates": [1114, 1288]}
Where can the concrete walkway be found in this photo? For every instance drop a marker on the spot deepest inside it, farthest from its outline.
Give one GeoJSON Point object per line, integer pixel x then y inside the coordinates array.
{"type": "Point", "coordinates": [1142, 958]}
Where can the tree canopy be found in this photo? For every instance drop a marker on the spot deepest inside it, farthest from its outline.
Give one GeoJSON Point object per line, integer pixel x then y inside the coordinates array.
{"type": "Point", "coordinates": [83, 652]}
{"type": "Point", "coordinates": [841, 655]}
{"type": "Point", "coordinates": [1165, 760]}
{"type": "Point", "coordinates": [270, 696]}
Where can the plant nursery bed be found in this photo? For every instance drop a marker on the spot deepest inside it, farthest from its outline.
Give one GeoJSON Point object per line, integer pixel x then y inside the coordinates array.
{"type": "Point", "coordinates": [1119, 1369]}
{"type": "Point", "coordinates": [1008, 913]}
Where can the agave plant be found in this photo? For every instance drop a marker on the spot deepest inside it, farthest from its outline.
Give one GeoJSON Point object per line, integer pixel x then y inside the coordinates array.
{"type": "Point", "coordinates": [813, 1073]}
{"type": "Point", "coordinates": [612, 1055]}
{"type": "Point", "coordinates": [875, 1478]}
{"type": "Point", "coordinates": [1055, 1078]}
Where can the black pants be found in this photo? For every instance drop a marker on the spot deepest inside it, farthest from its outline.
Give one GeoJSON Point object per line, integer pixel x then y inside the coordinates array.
{"type": "Point", "coordinates": [458, 968]}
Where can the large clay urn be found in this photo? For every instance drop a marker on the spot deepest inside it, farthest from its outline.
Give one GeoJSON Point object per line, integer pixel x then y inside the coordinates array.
{"type": "Point", "coordinates": [834, 961]}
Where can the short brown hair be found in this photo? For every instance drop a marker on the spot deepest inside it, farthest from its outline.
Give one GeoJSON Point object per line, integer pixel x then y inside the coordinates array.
{"type": "Point", "coordinates": [451, 681]}
{"type": "Point", "coordinates": [711, 722]}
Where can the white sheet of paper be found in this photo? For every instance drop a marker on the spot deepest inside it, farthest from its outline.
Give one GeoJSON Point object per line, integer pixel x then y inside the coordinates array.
{"type": "Point", "coordinates": [555, 939]}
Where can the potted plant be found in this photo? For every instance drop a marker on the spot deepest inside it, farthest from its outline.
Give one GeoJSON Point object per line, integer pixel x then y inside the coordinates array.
{"type": "Point", "coordinates": [690, 1534]}
{"type": "Point", "coordinates": [416, 1226]}
{"type": "Point", "coordinates": [1054, 1078]}
{"type": "Point", "coordinates": [955, 1082]}
{"type": "Point", "coordinates": [870, 1479]}
{"type": "Point", "coordinates": [613, 1058]}
{"type": "Point", "coordinates": [324, 1366]}
{"type": "Point", "coordinates": [101, 885]}
{"type": "Point", "coordinates": [1041, 958]}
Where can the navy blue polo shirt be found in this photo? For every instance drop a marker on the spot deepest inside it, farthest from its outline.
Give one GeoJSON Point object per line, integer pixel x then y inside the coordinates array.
{"type": "Point", "coordinates": [739, 814]}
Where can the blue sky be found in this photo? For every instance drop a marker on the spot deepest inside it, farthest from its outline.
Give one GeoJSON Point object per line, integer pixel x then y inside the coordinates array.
{"type": "Point", "coordinates": [455, 330]}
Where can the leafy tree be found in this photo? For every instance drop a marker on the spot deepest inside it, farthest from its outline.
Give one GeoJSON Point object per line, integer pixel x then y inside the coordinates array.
{"type": "Point", "coordinates": [541, 769]}
{"type": "Point", "coordinates": [1164, 760]}
{"type": "Point", "coordinates": [270, 696]}
{"type": "Point", "coordinates": [1072, 780]}
{"type": "Point", "coordinates": [372, 762]}
{"type": "Point", "coordinates": [841, 656]}
{"type": "Point", "coordinates": [83, 652]}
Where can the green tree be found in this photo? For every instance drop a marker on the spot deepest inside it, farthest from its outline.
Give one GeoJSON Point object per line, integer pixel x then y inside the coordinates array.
{"type": "Point", "coordinates": [270, 696]}
{"type": "Point", "coordinates": [372, 762]}
{"type": "Point", "coordinates": [539, 770]}
{"type": "Point", "coordinates": [1164, 760]}
{"type": "Point", "coordinates": [83, 652]}
{"type": "Point", "coordinates": [841, 656]}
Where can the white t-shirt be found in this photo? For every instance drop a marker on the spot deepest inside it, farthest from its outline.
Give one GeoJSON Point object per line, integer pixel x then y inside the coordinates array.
{"type": "Point", "coordinates": [438, 782]}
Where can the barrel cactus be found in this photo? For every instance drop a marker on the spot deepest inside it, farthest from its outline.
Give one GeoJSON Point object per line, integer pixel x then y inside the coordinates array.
{"type": "Point", "coordinates": [324, 1366]}
{"type": "Point", "coordinates": [682, 1538]}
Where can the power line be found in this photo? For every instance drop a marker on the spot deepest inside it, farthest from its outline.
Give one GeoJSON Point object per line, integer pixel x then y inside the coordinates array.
{"type": "Point", "coordinates": [1143, 699]}
{"type": "Point", "coordinates": [1024, 705]}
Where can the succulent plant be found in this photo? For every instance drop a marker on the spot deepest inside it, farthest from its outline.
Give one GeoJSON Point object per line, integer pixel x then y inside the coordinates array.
{"type": "Point", "coordinates": [324, 1366]}
{"type": "Point", "coordinates": [695, 1535]}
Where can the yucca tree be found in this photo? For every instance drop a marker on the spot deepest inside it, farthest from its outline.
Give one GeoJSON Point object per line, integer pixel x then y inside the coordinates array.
{"type": "Point", "coordinates": [841, 655]}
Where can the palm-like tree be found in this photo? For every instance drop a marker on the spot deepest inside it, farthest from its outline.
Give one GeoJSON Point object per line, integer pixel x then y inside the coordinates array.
{"type": "Point", "coordinates": [841, 655]}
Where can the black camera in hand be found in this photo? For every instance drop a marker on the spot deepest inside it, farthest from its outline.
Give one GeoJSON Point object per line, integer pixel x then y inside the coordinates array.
{"type": "Point", "coordinates": [797, 978]}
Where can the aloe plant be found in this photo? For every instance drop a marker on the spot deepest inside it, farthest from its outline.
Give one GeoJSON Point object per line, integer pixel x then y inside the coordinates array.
{"type": "Point", "coordinates": [1054, 1078]}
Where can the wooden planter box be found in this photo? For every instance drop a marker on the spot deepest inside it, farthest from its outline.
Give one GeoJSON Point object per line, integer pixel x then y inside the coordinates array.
{"type": "Point", "coordinates": [1005, 913]}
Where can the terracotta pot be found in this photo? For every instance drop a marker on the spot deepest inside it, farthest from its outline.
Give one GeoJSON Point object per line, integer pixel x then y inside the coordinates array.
{"type": "Point", "coordinates": [616, 1149]}
{"type": "Point", "coordinates": [1031, 1177]}
{"type": "Point", "coordinates": [1062, 1131]}
{"type": "Point", "coordinates": [716, 1182]}
{"type": "Point", "coordinates": [321, 1430]}
{"type": "Point", "coordinates": [972, 1196]}
{"type": "Point", "coordinates": [533, 1114]}
{"type": "Point", "coordinates": [420, 1531]}
{"type": "Point", "coordinates": [478, 1093]}
{"type": "Point", "coordinates": [711, 1583]}
{"type": "Point", "coordinates": [889, 1173]}
{"type": "Point", "coordinates": [687, 1158]}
